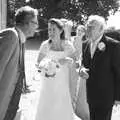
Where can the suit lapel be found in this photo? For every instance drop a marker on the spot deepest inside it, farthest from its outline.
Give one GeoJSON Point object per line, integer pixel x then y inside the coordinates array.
{"type": "Point", "coordinates": [87, 60]}
{"type": "Point", "coordinates": [86, 54]}
{"type": "Point", "coordinates": [98, 52]}
{"type": "Point", "coordinates": [21, 52]}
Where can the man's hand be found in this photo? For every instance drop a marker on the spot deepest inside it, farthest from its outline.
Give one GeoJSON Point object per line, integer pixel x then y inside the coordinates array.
{"type": "Point", "coordinates": [83, 73]}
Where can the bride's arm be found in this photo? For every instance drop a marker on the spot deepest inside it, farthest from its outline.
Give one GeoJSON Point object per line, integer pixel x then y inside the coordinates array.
{"type": "Point", "coordinates": [42, 52]}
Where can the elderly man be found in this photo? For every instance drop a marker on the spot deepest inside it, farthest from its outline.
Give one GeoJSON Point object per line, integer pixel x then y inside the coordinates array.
{"type": "Point", "coordinates": [101, 55]}
{"type": "Point", "coordinates": [12, 72]}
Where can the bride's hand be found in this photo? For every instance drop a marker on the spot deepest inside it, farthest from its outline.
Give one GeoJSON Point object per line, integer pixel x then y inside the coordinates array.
{"type": "Point", "coordinates": [65, 61]}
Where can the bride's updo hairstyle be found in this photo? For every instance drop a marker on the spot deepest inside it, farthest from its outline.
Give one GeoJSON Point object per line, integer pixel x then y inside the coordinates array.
{"type": "Point", "coordinates": [60, 25]}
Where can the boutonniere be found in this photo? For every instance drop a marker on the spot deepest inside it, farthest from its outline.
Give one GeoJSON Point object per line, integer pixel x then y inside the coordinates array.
{"type": "Point", "coordinates": [101, 46]}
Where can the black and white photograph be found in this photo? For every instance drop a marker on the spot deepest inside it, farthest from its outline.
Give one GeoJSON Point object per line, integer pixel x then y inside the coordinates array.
{"type": "Point", "coordinates": [59, 59]}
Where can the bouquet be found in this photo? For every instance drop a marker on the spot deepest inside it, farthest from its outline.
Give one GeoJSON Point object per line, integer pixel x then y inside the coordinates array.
{"type": "Point", "coordinates": [48, 67]}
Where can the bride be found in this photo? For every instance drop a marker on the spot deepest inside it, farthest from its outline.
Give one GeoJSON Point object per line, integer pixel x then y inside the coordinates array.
{"type": "Point", "coordinates": [53, 66]}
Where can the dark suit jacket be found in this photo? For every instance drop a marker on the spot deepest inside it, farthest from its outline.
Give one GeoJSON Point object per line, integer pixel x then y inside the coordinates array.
{"type": "Point", "coordinates": [103, 84]}
{"type": "Point", "coordinates": [115, 34]}
{"type": "Point", "coordinates": [9, 67]}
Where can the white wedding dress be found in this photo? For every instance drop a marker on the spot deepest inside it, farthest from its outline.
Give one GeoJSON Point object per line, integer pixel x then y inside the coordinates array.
{"type": "Point", "coordinates": [54, 102]}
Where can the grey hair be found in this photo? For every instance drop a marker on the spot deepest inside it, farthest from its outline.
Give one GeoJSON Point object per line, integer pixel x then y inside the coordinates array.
{"type": "Point", "coordinates": [99, 19]}
{"type": "Point", "coordinates": [25, 14]}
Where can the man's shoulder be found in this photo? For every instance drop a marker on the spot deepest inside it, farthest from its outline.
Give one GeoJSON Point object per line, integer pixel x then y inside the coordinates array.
{"type": "Point", "coordinates": [8, 35]}
{"type": "Point", "coordinates": [111, 40]}
{"type": "Point", "coordinates": [112, 43]}
{"type": "Point", "coordinates": [8, 32]}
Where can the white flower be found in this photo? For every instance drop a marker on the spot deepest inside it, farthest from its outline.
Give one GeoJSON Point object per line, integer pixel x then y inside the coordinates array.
{"type": "Point", "coordinates": [49, 67]}
{"type": "Point", "coordinates": [101, 46]}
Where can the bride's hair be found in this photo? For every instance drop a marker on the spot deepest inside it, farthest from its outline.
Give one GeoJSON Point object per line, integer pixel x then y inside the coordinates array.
{"type": "Point", "coordinates": [60, 25]}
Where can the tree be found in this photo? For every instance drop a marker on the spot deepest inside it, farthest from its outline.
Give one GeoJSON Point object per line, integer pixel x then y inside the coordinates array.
{"type": "Point", "coordinates": [12, 6]}
{"type": "Point", "coordinates": [77, 10]}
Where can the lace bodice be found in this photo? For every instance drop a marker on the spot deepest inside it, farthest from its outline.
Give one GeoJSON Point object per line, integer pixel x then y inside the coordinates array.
{"type": "Point", "coordinates": [51, 54]}
{"type": "Point", "coordinates": [55, 55]}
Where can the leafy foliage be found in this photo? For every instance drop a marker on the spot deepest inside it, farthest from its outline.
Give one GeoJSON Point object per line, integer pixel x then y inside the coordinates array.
{"type": "Point", "coordinates": [12, 5]}
{"type": "Point", "coordinates": [77, 10]}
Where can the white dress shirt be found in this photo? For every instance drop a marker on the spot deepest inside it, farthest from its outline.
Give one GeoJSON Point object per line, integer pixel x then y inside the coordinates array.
{"type": "Point", "coordinates": [93, 46]}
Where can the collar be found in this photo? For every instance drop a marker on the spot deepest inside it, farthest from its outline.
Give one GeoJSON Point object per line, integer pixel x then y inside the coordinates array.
{"type": "Point", "coordinates": [98, 40]}
{"type": "Point", "coordinates": [21, 35]}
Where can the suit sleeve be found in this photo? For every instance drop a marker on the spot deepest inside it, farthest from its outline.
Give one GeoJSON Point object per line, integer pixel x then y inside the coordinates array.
{"type": "Point", "coordinates": [7, 46]}
{"type": "Point", "coordinates": [116, 69]}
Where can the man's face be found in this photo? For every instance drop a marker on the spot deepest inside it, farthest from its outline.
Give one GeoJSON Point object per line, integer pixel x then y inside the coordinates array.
{"type": "Point", "coordinates": [93, 30]}
{"type": "Point", "coordinates": [32, 26]}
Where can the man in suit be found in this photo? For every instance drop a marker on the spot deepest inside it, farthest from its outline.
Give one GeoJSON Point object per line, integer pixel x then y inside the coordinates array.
{"type": "Point", "coordinates": [101, 56]}
{"type": "Point", "coordinates": [12, 72]}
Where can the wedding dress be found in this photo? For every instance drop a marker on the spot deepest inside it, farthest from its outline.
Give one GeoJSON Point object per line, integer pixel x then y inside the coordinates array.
{"type": "Point", "coordinates": [54, 102]}
{"type": "Point", "coordinates": [78, 85]}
